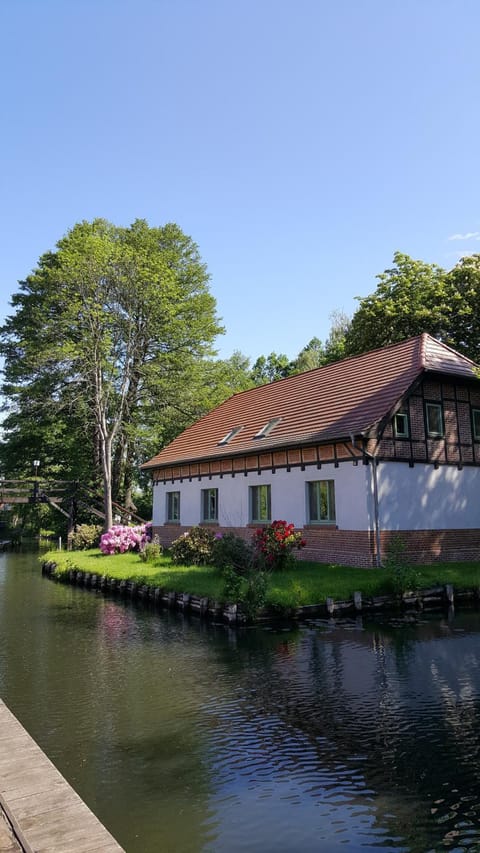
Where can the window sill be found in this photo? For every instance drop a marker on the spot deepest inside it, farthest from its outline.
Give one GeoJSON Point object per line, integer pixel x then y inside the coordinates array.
{"type": "Point", "coordinates": [209, 524]}
{"type": "Point", "coordinates": [320, 525]}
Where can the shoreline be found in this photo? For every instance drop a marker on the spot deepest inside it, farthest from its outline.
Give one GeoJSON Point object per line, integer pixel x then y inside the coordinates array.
{"type": "Point", "coordinates": [433, 599]}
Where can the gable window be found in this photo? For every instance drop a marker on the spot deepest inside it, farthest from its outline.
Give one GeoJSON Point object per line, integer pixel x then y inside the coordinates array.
{"type": "Point", "coordinates": [209, 504]}
{"type": "Point", "coordinates": [173, 506]}
{"type": "Point", "coordinates": [321, 502]}
{"type": "Point", "coordinates": [400, 425]}
{"type": "Point", "coordinates": [434, 417]}
{"type": "Point", "coordinates": [260, 504]}
{"type": "Point", "coordinates": [265, 430]}
{"type": "Point", "coordinates": [476, 424]}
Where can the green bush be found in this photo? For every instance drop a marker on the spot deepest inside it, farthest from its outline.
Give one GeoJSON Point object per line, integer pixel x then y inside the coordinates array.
{"type": "Point", "coordinates": [151, 551]}
{"type": "Point", "coordinates": [232, 551]}
{"type": "Point", "coordinates": [402, 576]}
{"type": "Point", "coordinates": [232, 584]}
{"type": "Point", "coordinates": [86, 536]}
{"type": "Point", "coordinates": [254, 597]}
{"type": "Point", "coordinates": [194, 547]}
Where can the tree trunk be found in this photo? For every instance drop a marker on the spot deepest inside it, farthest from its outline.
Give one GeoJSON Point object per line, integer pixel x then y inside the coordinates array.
{"type": "Point", "coordinates": [107, 481]}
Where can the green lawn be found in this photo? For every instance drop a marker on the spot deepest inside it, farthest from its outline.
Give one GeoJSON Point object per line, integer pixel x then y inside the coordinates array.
{"type": "Point", "coordinates": [307, 583]}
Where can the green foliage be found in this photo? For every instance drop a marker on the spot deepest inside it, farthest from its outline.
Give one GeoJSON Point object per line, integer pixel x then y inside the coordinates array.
{"type": "Point", "coordinates": [311, 356]}
{"type": "Point", "coordinates": [232, 551]}
{"type": "Point", "coordinates": [194, 547]}
{"type": "Point", "coordinates": [102, 332]}
{"type": "Point", "coordinates": [243, 581]}
{"type": "Point", "coordinates": [464, 316]}
{"type": "Point", "coordinates": [270, 368]}
{"type": "Point", "coordinates": [402, 577]}
{"type": "Point", "coordinates": [254, 596]}
{"type": "Point", "coordinates": [85, 536]}
{"type": "Point", "coordinates": [151, 551]}
{"type": "Point", "coordinates": [316, 354]}
{"type": "Point", "coordinates": [412, 297]}
{"type": "Point", "coordinates": [232, 583]}
{"type": "Point", "coordinates": [248, 590]}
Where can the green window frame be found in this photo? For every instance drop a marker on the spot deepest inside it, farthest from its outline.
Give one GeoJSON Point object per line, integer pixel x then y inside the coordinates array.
{"type": "Point", "coordinates": [209, 504]}
{"type": "Point", "coordinates": [434, 418]}
{"type": "Point", "coordinates": [260, 504]}
{"type": "Point", "coordinates": [321, 502]}
{"type": "Point", "coordinates": [476, 424]}
{"type": "Point", "coordinates": [173, 506]}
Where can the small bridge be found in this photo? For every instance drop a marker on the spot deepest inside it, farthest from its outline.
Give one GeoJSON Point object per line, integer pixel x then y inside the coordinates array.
{"type": "Point", "coordinates": [65, 496]}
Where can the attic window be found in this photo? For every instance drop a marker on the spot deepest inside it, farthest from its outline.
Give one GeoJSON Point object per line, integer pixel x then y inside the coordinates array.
{"type": "Point", "coordinates": [267, 428]}
{"type": "Point", "coordinates": [400, 425]}
{"type": "Point", "coordinates": [228, 437]}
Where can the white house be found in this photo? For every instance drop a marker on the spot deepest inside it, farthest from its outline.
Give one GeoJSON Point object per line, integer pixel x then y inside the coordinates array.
{"type": "Point", "coordinates": [381, 444]}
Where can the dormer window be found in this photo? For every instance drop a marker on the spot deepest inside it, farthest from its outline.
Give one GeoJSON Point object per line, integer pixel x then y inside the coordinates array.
{"type": "Point", "coordinates": [228, 437]}
{"type": "Point", "coordinates": [267, 428]}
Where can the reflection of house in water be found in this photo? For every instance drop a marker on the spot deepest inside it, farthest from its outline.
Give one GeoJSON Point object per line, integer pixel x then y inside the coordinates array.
{"type": "Point", "coordinates": [385, 442]}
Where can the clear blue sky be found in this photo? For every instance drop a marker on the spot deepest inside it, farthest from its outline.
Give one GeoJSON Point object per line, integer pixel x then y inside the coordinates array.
{"type": "Point", "coordinates": [299, 143]}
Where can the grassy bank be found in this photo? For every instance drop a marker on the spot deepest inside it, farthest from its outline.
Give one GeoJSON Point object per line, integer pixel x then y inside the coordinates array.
{"type": "Point", "coordinates": [307, 583]}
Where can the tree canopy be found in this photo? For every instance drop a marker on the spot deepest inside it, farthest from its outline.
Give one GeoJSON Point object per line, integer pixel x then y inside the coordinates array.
{"type": "Point", "coordinates": [414, 297]}
{"type": "Point", "coordinates": [101, 330]}
{"type": "Point", "coordinates": [109, 348]}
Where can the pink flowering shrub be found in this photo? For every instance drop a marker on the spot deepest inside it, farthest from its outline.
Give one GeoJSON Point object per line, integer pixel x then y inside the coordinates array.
{"type": "Point", "coordinates": [121, 538]}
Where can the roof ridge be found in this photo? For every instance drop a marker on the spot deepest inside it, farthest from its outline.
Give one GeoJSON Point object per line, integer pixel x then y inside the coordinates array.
{"type": "Point", "coordinates": [423, 349]}
{"type": "Point", "coordinates": [334, 363]}
{"type": "Point", "coordinates": [451, 349]}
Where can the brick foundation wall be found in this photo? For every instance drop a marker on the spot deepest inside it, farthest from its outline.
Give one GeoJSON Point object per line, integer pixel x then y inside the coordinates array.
{"type": "Point", "coordinates": [358, 547]}
{"type": "Point", "coordinates": [431, 546]}
{"type": "Point", "coordinates": [347, 547]}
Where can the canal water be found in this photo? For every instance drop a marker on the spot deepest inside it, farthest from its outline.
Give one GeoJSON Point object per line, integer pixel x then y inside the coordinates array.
{"type": "Point", "coordinates": [185, 737]}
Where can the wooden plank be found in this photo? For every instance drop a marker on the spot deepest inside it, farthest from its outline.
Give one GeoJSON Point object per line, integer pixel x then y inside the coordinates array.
{"type": "Point", "coordinates": [46, 814]}
{"type": "Point", "coordinates": [8, 843]}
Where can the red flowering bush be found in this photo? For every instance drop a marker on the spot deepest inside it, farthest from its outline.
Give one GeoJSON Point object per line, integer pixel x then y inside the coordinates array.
{"type": "Point", "coordinates": [275, 543]}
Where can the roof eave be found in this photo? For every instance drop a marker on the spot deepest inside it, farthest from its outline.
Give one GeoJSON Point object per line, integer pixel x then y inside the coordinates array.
{"type": "Point", "coordinates": [308, 442]}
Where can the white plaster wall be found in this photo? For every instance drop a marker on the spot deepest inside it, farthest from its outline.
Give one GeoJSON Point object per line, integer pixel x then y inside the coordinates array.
{"type": "Point", "coordinates": [425, 498]}
{"type": "Point", "coordinates": [353, 498]}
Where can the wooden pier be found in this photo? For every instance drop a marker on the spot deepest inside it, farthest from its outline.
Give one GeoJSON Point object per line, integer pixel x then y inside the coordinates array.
{"type": "Point", "coordinates": [44, 812]}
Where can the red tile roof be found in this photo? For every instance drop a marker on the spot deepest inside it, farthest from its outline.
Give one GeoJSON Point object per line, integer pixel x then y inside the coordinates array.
{"type": "Point", "coordinates": [333, 402]}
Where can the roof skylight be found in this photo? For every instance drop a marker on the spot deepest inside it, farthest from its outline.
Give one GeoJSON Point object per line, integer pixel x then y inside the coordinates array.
{"type": "Point", "coordinates": [228, 437]}
{"type": "Point", "coordinates": [265, 430]}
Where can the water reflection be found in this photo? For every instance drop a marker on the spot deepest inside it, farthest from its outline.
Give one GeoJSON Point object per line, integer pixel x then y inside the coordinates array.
{"type": "Point", "coordinates": [188, 737]}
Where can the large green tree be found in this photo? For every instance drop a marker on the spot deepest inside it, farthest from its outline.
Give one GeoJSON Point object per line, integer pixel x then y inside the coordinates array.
{"type": "Point", "coordinates": [414, 297]}
{"type": "Point", "coordinates": [410, 298]}
{"type": "Point", "coordinates": [100, 331]}
{"type": "Point", "coordinates": [270, 368]}
{"type": "Point", "coordinates": [464, 306]}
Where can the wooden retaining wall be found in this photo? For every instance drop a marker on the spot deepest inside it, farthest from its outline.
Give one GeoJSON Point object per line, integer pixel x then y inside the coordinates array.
{"type": "Point", "coordinates": [434, 598]}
